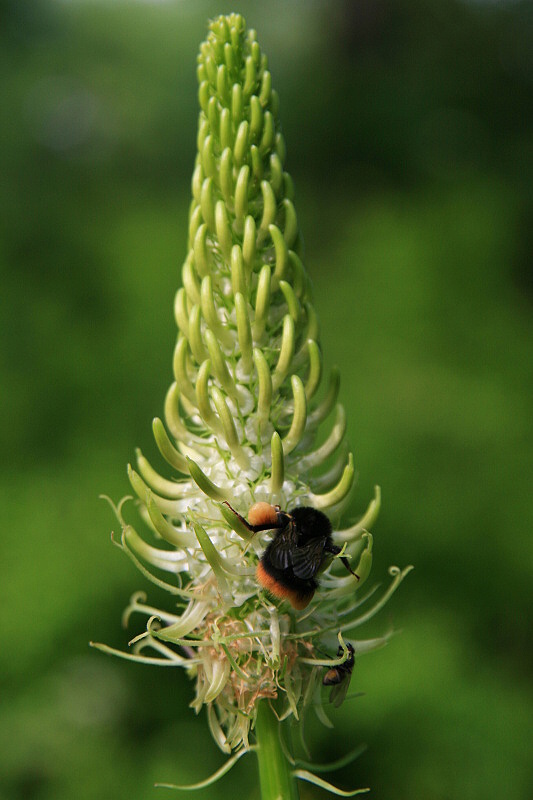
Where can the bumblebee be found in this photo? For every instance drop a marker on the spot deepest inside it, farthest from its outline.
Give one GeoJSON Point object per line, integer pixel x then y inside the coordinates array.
{"type": "Point", "coordinates": [339, 677]}
{"type": "Point", "coordinates": [300, 548]}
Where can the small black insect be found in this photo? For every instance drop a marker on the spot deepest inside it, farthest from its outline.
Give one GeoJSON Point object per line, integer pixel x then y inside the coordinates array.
{"type": "Point", "coordinates": [339, 677]}
{"type": "Point", "coordinates": [298, 551]}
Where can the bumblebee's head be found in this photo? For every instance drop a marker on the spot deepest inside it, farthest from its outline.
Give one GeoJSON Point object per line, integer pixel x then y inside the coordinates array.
{"type": "Point", "coordinates": [310, 523]}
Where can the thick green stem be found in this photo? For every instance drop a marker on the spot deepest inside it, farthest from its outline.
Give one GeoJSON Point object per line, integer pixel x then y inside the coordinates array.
{"type": "Point", "coordinates": [276, 780]}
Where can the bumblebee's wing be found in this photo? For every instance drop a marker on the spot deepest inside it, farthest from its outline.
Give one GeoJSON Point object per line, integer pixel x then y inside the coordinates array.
{"type": "Point", "coordinates": [281, 546]}
{"type": "Point", "coordinates": [306, 560]}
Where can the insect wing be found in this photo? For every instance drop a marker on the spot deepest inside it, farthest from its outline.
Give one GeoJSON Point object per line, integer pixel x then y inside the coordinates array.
{"type": "Point", "coordinates": [306, 560]}
{"type": "Point", "coordinates": [280, 548]}
{"type": "Point", "coordinates": [338, 693]}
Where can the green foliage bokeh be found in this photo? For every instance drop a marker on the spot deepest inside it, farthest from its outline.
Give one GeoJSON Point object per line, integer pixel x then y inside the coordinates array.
{"type": "Point", "coordinates": [408, 130]}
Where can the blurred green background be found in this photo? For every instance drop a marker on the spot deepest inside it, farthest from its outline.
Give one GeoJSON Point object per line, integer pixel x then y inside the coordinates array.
{"type": "Point", "coordinates": [409, 137]}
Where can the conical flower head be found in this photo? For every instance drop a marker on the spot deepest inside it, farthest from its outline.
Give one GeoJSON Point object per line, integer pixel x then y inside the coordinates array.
{"type": "Point", "coordinates": [240, 422]}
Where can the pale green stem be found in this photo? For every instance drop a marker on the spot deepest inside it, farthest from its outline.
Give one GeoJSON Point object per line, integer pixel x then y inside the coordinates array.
{"type": "Point", "coordinates": [275, 777]}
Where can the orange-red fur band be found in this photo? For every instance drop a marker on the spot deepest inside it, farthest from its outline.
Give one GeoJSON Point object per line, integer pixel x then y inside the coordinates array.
{"type": "Point", "coordinates": [297, 600]}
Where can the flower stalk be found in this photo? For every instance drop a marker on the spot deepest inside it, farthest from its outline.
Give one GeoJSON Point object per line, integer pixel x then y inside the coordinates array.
{"type": "Point", "coordinates": [239, 427]}
{"type": "Point", "coordinates": [275, 774]}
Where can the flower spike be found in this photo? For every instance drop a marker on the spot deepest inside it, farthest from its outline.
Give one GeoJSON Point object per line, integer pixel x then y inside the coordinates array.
{"type": "Point", "coordinates": [235, 530]}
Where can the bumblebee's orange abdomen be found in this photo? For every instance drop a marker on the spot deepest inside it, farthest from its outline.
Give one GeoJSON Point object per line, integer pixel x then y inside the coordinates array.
{"type": "Point", "coordinates": [298, 599]}
{"type": "Point", "coordinates": [262, 514]}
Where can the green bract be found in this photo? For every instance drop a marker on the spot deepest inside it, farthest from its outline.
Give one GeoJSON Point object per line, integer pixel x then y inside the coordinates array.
{"type": "Point", "coordinates": [240, 424]}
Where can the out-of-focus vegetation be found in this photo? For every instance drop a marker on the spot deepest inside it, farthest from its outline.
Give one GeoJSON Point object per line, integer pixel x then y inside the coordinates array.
{"type": "Point", "coordinates": [408, 128]}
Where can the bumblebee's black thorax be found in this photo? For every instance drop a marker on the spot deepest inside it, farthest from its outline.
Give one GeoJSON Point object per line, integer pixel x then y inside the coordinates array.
{"type": "Point", "coordinates": [310, 524]}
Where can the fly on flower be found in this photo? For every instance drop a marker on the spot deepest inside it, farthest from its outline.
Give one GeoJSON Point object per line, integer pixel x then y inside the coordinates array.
{"type": "Point", "coordinates": [339, 677]}
{"type": "Point", "coordinates": [300, 548]}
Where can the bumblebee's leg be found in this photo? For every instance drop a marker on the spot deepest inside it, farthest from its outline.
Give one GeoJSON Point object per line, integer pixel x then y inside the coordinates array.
{"type": "Point", "coordinates": [348, 567]}
{"type": "Point", "coordinates": [253, 528]}
{"type": "Point", "coordinates": [244, 521]}
{"type": "Point", "coordinates": [332, 548]}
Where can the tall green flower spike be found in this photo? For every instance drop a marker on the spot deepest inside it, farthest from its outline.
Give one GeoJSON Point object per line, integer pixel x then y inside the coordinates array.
{"type": "Point", "coordinates": [240, 425]}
